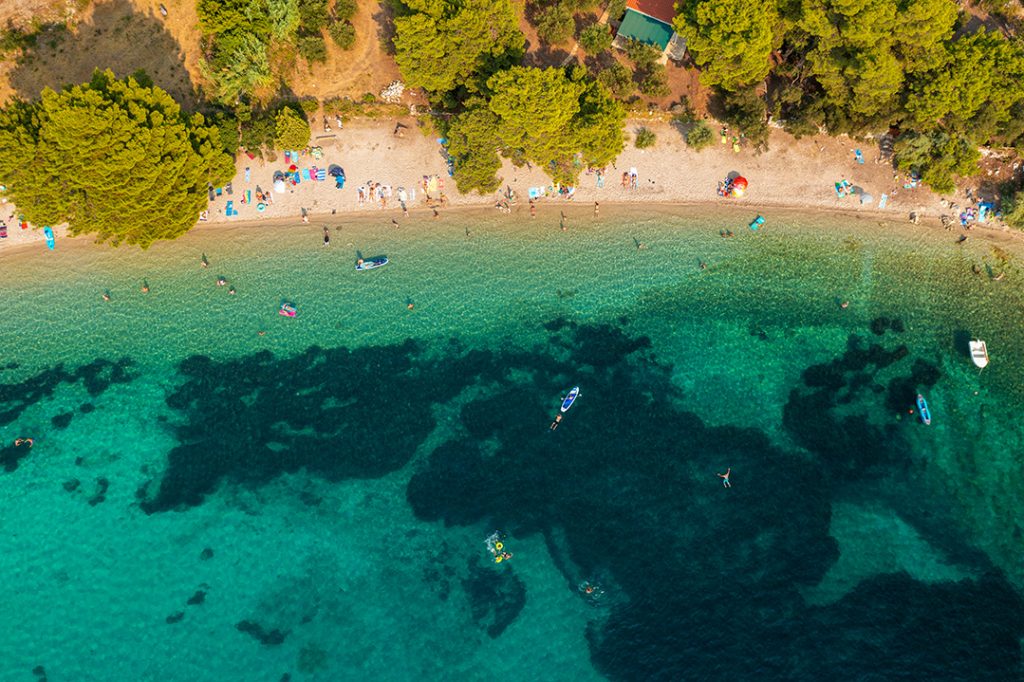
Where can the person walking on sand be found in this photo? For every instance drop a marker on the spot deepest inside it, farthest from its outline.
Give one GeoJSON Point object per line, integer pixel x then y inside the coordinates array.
{"type": "Point", "coordinates": [204, 261]}
{"type": "Point", "coordinates": [561, 222]}
{"type": "Point", "coordinates": [327, 236]}
{"type": "Point", "coordinates": [533, 209]}
{"type": "Point", "coordinates": [597, 208]}
{"type": "Point", "coordinates": [725, 478]}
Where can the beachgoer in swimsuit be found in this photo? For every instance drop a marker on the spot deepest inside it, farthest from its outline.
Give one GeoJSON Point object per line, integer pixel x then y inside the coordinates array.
{"type": "Point", "coordinates": [106, 296]}
{"type": "Point", "coordinates": [844, 305]}
{"type": "Point", "coordinates": [231, 290]}
{"type": "Point", "coordinates": [597, 208]}
{"type": "Point", "coordinates": [394, 222]}
{"type": "Point", "coordinates": [554, 424]}
{"type": "Point", "coordinates": [533, 209]}
{"type": "Point", "coordinates": [145, 287]}
{"type": "Point", "coordinates": [327, 237]}
{"type": "Point", "coordinates": [204, 262]}
{"type": "Point", "coordinates": [24, 441]}
{"type": "Point", "coordinates": [221, 282]}
{"type": "Point", "coordinates": [261, 333]}
{"type": "Point", "coordinates": [725, 478]}
{"type": "Point", "coordinates": [703, 265]}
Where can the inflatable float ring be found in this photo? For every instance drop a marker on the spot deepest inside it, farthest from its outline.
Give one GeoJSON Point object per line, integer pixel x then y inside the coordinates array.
{"type": "Point", "coordinates": [498, 545]}
{"type": "Point", "coordinates": [261, 207]}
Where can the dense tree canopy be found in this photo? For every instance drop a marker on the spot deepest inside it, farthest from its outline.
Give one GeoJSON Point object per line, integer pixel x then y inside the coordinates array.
{"type": "Point", "coordinates": [443, 44]}
{"type": "Point", "coordinates": [538, 116]}
{"type": "Point", "coordinates": [112, 158]}
{"type": "Point", "coordinates": [730, 39]}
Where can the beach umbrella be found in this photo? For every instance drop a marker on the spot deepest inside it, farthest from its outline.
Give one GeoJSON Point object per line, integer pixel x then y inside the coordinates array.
{"type": "Point", "coordinates": [292, 168]}
{"type": "Point", "coordinates": [866, 198]}
{"type": "Point", "coordinates": [739, 186]}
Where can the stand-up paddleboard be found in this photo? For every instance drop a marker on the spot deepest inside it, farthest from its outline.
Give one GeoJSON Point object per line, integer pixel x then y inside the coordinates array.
{"type": "Point", "coordinates": [49, 237]}
{"type": "Point", "coordinates": [922, 408]}
{"type": "Point", "coordinates": [570, 399]}
{"type": "Point", "coordinates": [371, 263]}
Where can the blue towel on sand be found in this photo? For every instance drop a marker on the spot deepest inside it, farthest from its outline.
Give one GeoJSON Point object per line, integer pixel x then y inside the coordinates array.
{"type": "Point", "coordinates": [321, 175]}
{"type": "Point", "coordinates": [305, 174]}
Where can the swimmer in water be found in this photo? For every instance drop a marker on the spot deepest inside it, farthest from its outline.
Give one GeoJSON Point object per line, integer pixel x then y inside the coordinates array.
{"type": "Point", "coordinates": [232, 291]}
{"type": "Point", "coordinates": [203, 261]}
{"type": "Point", "coordinates": [725, 478]}
{"type": "Point", "coordinates": [554, 424]}
{"type": "Point", "coordinates": [327, 237]}
{"type": "Point", "coordinates": [221, 282]}
{"type": "Point", "coordinates": [261, 333]}
{"type": "Point", "coordinates": [106, 296]}
{"type": "Point", "coordinates": [844, 305]}
{"type": "Point", "coordinates": [24, 441]}
{"type": "Point", "coordinates": [145, 287]}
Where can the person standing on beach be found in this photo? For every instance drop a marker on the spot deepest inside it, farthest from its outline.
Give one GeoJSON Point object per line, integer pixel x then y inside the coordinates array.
{"type": "Point", "coordinates": [597, 208]}
{"type": "Point", "coordinates": [327, 237]}
{"type": "Point", "coordinates": [561, 223]}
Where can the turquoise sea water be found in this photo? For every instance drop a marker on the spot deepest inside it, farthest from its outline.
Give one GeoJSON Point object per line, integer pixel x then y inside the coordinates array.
{"type": "Point", "coordinates": [205, 502]}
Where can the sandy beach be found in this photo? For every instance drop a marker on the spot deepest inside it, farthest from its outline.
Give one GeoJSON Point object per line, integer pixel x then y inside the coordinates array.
{"type": "Point", "coordinates": [793, 174]}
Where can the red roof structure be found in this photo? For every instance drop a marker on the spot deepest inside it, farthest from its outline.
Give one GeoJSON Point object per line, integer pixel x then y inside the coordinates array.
{"type": "Point", "coordinates": [662, 10]}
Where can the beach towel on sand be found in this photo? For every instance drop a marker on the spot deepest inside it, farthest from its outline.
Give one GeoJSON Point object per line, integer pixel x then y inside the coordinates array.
{"type": "Point", "coordinates": [883, 200]}
{"type": "Point", "coordinates": [321, 174]}
{"type": "Point", "coordinates": [305, 174]}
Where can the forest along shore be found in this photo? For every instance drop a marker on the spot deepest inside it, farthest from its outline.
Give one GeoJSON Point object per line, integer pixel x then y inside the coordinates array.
{"type": "Point", "coordinates": [791, 174]}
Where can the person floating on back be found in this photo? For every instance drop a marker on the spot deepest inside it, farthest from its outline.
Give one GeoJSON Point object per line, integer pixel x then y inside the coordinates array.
{"type": "Point", "coordinates": [725, 478]}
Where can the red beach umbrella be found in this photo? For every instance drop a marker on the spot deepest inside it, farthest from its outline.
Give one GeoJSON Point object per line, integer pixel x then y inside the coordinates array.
{"type": "Point", "coordinates": [292, 168]}
{"type": "Point", "coordinates": [739, 185]}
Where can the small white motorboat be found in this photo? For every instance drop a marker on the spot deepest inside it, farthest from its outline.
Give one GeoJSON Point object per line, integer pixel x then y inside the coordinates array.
{"type": "Point", "coordinates": [979, 353]}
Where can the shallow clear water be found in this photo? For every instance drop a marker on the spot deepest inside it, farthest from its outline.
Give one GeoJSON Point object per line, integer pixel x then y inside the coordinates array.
{"type": "Point", "coordinates": [321, 492]}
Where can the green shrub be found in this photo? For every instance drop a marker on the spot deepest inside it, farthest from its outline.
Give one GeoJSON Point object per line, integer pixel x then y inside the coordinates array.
{"type": "Point", "coordinates": [312, 48]}
{"type": "Point", "coordinates": [342, 33]}
{"type": "Point", "coordinates": [700, 136]}
{"type": "Point", "coordinates": [655, 82]}
{"type": "Point", "coordinates": [310, 105]}
{"type": "Point", "coordinates": [618, 79]}
{"type": "Point", "coordinates": [344, 10]}
{"type": "Point", "coordinates": [1013, 209]}
{"type": "Point", "coordinates": [291, 130]}
{"type": "Point", "coordinates": [312, 15]}
{"type": "Point", "coordinates": [644, 138]}
{"type": "Point", "coordinates": [555, 24]}
{"type": "Point", "coordinates": [596, 38]}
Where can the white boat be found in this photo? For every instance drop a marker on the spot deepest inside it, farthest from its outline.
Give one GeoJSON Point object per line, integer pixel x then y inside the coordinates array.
{"type": "Point", "coordinates": [979, 353]}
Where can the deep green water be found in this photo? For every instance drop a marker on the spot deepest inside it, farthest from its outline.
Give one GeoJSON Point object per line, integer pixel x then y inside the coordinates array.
{"type": "Point", "coordinates": [322, 492]}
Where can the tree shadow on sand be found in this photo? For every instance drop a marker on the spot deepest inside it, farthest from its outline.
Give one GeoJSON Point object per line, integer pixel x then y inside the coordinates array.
{"type": "Point", "coordinates": [115, 37]}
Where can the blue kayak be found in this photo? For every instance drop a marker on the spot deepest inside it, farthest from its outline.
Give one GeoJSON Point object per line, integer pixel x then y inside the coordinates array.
{"type": "Point", "coordinates": [922, 408]}
{"type": "Point", "coordinates": [371, 263]}
{"type": "Point", "coordinates": [570, 399]}
{"type": "Point", "coordinates": [49, 237]}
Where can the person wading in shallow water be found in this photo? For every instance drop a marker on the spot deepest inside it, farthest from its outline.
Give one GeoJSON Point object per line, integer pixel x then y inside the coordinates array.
{"type": "Point", "coordinates": [725, 478]}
